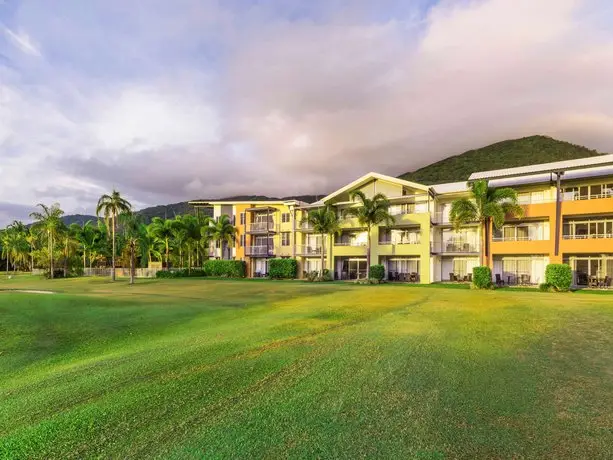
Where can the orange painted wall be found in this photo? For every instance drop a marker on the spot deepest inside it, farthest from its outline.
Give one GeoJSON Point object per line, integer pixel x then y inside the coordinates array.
{"type": "Point", "coordinates": [242, 230]}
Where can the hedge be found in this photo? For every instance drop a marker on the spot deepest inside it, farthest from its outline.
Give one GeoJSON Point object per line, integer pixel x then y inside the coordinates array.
{"type": "Point", "coordinates": [282, 268]}
{"type": "Point", "coordinates": [376, 272]}
{"type": "Point", "coordinates": [482, 277]}
{"type": "Point", "coordinates": [225, 268]}
{"type": "Point", "coordinates": [559, 276]}
{"type": "Point", "coordinates": [185, 273]}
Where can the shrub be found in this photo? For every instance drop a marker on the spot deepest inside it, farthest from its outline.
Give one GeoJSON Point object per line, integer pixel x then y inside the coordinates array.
{"type": "Point", "coordinates": [377, 272]}
{"type": "Point", "coordinates": [282, 268]}
{"type": "Point", "coordinates": [314, 276]}
{"type": "Point", "coordinates": [164, 274]}
{"type": "Point", "coordinates": [559, 276]}
{"type": "Point", "coordinates": [545, 287]}
{"type": "Point", "coordinates": [225, 268]}
{"type": "Point", "coordinates": [482, 277]}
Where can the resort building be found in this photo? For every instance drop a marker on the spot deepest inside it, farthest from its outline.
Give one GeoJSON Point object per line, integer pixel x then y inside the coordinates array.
{"type": "Point", "coordinates": [568, 218]}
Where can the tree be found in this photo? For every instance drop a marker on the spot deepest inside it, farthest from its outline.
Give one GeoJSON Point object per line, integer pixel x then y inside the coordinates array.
{"type": "Point", "coordinates": [48, 221]}
{"type": "Point", "coordinates": [191, 225]}
{"type": "Point", "coordinates": [324, 221]}
{"type": "Point", "coordinates": [224, 232]}
{"type": "Point", "coordinates": [163, 230]}
{"type": "Point", "coordinates": [132, 231]}
{"type": "Point", "coordinates": [370, 212]}
{"type": "Point", "coordinates": [486, 205]}
{"type": "Point", "coordinates": [111, 206]}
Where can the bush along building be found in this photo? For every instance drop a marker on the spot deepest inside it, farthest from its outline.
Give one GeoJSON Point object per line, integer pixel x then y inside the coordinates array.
{"type": "Point", "coordinates": [567, 218]}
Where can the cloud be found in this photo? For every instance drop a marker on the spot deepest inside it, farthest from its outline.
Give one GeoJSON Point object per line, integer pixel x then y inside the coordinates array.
{"type": "Point", "coordinates": [207, 99]}
{"type": "Point", "coordinates": [22, 41]}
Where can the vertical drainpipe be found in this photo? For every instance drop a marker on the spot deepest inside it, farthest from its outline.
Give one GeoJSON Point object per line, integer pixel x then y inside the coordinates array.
{"type": "Point", "coordinates": [293, 212]}
{"type": "Point", "coordinates": [558, 212]}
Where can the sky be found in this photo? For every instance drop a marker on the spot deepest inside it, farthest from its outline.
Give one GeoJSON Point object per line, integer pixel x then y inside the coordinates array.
{"type": "Point", "coordinates": [168, 101]}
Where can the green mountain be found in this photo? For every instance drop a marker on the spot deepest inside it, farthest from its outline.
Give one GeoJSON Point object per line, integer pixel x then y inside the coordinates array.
{"type": "Point", "coordinates": [506, 154]}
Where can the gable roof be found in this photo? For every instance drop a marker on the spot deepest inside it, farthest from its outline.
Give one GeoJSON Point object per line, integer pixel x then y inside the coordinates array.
{"type": "Point", "coordinates": [366, 178]}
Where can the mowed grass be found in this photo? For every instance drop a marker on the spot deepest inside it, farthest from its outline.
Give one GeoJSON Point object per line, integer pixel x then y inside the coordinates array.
{"type": "Point", "coordinates": [244, 369]}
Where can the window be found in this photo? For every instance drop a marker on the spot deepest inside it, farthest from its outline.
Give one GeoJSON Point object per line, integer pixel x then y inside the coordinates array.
{"type": "Point", "coordinates": [243, 218]}
{"type": "Point", "coordinates": [217, 244]}
{"type": "Point", "coordinates": [242, 240]}
{"type": "Point", "coordinates": [285, 239]}
{"type": "Point", "coordinates": [285, 217]}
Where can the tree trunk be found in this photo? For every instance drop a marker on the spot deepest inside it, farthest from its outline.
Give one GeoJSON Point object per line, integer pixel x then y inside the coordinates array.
{"type": "Point", "coordinates": [368, 254]}
{"type": "Point", "coordinates": [50, 245]}
{"type": "Point", "coordinates": [321, 274]}
{"type": "Point", "coordinates": [8, 258]}
{"type": "Point", "coordinates": [167, 266]}
{"type": "Point", "coordinates": [113, 255]}
{"type": "Point", "coordinates": [131, 264]}
{"type": "Point", "coordinates": [65, 257]}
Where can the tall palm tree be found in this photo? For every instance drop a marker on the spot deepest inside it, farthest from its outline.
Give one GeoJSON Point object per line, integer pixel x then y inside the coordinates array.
{"type": "Point", "coordinates": [151, 245]}
{"type": "Point", "coordinates": [324, 221]}
{"type": "Point", "coordinates": [370, 212]}
{"type": "Point", "coordinates": [111, 206]}
{"type": "Point", "coordinates": [486, 205]}
{"type": "Point", "coordinates": [224, 232]}
{"type": "Point", "coordinates": [191, 226]}
{"type": "Point", "coordinates": [49, 222]}
{"type": "Point", "coordinates": [163, 230]}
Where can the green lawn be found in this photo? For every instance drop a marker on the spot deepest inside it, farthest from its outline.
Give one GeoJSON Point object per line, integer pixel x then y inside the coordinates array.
{"type": "Point", "coordinates": [220, 369]}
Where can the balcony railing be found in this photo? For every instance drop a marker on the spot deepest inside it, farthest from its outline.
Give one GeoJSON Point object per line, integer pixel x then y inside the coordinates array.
{"type": "Point", "coordinates": [308, 250]}
{"type": "Point", "coordinates": [399, 242]}
{"type": "Point", "coordinates": [305, 227]}
{"type": "Point", "coordinates": [349, 243]}
{"type": "Point", "coordinates": [569, 196]}
{"type": "Point", "coordinates": [517, 238]}
{"type": "Point", "coordinates": [454, 247]}
{"type": "Point", "coordinates": [401, 209]}
{"type": "Point", "coordinates": [260, 251]}
{"type": "Point", "coordinates": [261, 227]}
{"type": "Point", "coordinates": [587, 237]}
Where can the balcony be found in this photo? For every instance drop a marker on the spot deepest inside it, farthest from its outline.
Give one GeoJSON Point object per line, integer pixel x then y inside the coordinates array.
{"type": "Point", "coordinates": [305, 250]}
{"type": "Point", "coordinates": [262, 227]}
{"type": "Point", "coordinates": [305, 227]}
{"type": "Point", "coordinates": [454, 247]}
{"type": "Point", "coordinates": [401, 209]}
{"type": "Point", "coordinates": [352, 243]}
{"type": "Point", "coordinates": [517, 238]}
{"type": "Point", "coordinates": [260, 251]}
{"type": "Point", "coordinates": [399, 241]}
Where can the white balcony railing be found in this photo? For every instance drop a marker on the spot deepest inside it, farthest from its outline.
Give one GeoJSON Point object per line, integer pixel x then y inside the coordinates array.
{"type": "Point", "coordinates": [454, 247]}
{"type": "Point", "coordinates": [308, 250]}
{"type": "Point", "coordinates": [439, 217]}
{"type": "Point", "coordinates": [517, 238]}
{"type": "Point", "coordinates": [570, 196]}
{"type": "Point", "coordinates": [400, 242]}
{"type": "Point", "coordinates": [350, 243]}
{"type": "Point", "coordinates": [401, 209]}
{"type": "Point", "coordinates": [261, 227]}
{"type": "Point", "coordinates": [260, 251]}
{"type": "Point", "coordinates": [588, 237]}
{"type": "Point", "coordinates": [305, 227]}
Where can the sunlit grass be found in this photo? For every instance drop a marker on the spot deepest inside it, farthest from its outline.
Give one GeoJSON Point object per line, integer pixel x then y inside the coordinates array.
{"type": "Point", "coordinates": [219, 369]}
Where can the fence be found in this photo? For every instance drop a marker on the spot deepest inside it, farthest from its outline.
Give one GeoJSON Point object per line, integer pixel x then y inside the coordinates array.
{"type": "Point", "coordinates": [122, 272]}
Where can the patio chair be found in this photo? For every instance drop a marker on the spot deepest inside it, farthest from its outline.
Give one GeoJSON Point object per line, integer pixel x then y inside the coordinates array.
{"type": "Point", "coordinates": [607, 282]}
{"type": "Point", "coordinates": [525, 279]}
{"type": "Point", "coordinates": [499, 280]}
{"type": "Point", "coordinates": [593, 281]}
{"type": "Point", "coordinates": [413, 277]}
{"type": "Point", "coordinates": [451, 276]}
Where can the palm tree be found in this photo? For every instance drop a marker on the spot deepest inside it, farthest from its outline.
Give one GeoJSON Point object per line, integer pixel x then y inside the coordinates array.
{"type": "Point", "coordinates": [324, 221]}
{"type": "Point", "coordinates": [370, 212]}
{"type": "Point", "coordinates": [49, 222]}
{"type": "Point", "coordinates": [485, 205]}
{"type": "Point", "coordinates": [191, 226]}
{"type": "Point", "coordinates": [151, 245]}
{"type": "Point", "coordinates": [132, 230]}
{"type": "Point", "coordinates": [112, 206]}
{"type": "Point", "coordinates": [163, 230]}
{"type": "Point", "coordinates": [224, 232]}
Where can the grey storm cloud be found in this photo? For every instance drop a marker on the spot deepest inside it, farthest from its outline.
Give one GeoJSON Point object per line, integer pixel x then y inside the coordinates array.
{"type": "Point", "coordinates": [266, 101]}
